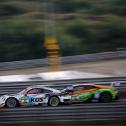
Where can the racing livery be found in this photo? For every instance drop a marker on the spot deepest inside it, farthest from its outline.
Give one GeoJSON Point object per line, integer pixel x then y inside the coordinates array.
{"type": "Point", "coordinates": [34, 95]}
{"type": "Point", "coordinates": [91, 92]}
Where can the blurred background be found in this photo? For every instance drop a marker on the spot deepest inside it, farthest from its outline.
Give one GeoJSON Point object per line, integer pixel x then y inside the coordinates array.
{"type": "Point", "coordinates": [80, 26]}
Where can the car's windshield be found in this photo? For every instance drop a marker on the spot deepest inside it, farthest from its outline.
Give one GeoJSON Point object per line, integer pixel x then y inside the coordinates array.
{"type": "Point", "coordinates": [24, 91]}
{"type": "Point", "coordinates": [68, 89]}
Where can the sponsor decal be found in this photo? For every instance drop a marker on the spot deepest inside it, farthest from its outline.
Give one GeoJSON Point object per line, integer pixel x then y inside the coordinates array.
{"type": "Point", "coordinates": [75, 97]}
{"type": "Point", "coordinates": [36, 99]}
{"type": "Point", "coordinates": [28, 101]}
{"type": "Point", "coordinates": [97, 95]}
{"type": "Point", "coordinates": [24, 101]}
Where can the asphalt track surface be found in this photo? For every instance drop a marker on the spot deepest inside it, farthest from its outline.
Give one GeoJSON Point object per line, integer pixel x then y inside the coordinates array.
{"type": "Point", "coordinates": [120, 101]}
{"type": "Point", "coordinates": [80, 111]}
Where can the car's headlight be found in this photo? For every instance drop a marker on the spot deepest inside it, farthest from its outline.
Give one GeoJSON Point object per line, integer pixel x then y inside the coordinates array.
{"type": "Point", "coordinates": [3, 98]}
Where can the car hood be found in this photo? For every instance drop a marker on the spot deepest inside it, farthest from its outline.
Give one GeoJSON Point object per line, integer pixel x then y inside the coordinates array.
{"type": "Point", "coordinates": [9, 95]}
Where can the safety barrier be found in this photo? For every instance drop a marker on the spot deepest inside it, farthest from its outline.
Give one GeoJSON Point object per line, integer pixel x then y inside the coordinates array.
{"type": "Point", "coordinates": [14, 87]}
{"type": "Point", "coordinates": [64, 60]}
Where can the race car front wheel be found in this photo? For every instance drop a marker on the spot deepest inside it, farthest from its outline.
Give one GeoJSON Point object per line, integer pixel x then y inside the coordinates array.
{"type": "Point", "coordinates": [11, 103]}
{"type": "Point", "coordinates": [54, 101]}
{"type": "Point", "coordinates": [105, 97]}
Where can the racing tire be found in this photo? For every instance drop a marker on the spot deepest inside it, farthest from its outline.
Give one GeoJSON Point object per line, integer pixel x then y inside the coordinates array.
{"type": "Point", "coordinates": [105, 97]}
{"type": "Point", "coordinates": [54, 101]}
{"type": "Point", "coordinates": [11, 102]}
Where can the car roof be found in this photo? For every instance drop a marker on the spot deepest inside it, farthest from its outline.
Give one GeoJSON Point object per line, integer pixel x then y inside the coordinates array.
{"type": "Point", "coordinates": [41, 86]}
{"type": "Point", "coordinates": [88, 84]}
{"type": "Point", "coordinates": [92, 84]}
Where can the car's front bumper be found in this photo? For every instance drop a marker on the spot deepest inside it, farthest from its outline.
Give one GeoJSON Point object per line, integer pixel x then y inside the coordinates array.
{"type": "Point", "coordinates": [2, 103]}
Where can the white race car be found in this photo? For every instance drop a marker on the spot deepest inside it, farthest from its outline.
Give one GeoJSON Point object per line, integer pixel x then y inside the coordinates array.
{"type": "Point", "coordinates": [34, 95]}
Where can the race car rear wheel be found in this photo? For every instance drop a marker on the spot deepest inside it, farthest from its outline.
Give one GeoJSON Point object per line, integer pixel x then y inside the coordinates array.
{"type": "Point", "coordinates": [54, 101]}
{"type": "Point", "coordinates": [11, 102]}
{"type": "Point", "coordinates": [105, 97]}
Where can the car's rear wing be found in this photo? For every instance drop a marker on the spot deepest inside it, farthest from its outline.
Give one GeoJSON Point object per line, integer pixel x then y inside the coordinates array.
{"type": "Point", "coordinates": [115, 84]}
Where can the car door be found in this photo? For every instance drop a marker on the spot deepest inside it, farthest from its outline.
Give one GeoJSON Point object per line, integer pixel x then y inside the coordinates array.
{"type": "Point", "coordinates": [36, 96]}
{"type": "Point", "coordinates": [77, 91]}
{"type": "Point", "coordinates": [82, 92]}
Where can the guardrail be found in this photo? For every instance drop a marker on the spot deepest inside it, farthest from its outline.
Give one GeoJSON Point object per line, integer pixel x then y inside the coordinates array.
{"type": "Point", "coordinates": [14, 87]}
{"type": "Point", "coordinates": [64, 60]}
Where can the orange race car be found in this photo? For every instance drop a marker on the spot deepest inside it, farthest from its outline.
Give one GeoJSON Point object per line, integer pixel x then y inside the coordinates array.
{"type": "Point", "coordinates": [90, 92]}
